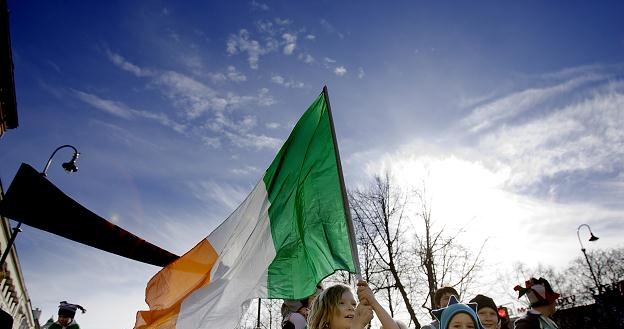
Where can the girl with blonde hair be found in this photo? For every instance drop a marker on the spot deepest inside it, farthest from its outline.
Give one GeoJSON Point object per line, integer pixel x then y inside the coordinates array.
{"type": "Point", "coordinates": [336, 308]}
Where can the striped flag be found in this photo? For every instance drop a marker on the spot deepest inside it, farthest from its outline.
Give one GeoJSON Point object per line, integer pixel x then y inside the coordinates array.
{"type": "Point", "coordinates": [289, 233]}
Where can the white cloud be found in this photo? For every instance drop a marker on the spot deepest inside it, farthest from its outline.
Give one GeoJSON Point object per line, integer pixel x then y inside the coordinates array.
{"type": "Point", "coordinates": [226, 195]}
{"type": "Point", "coordinates": [581, 137]}
{"type": "Point", "coordinates": [259, 6]}
{"type": "Point", "coordinates": [277, 79]}
{"type": "Point", "coordinates": [111, 107]}
{"type": "Point", "coordinates": [122, 63]}
{"type": "Point", "coordinates": [257, 142]}
{"type": "Point", "coordinates": [361, 73]}
{"type": "Point", "coordinates": [272, 125]}
{"type": "Point", "coordinates": [123, 111]}
{"type": "Point", "coordinates": [246, 170]}
{"type": "Point", "coordinates": [217, 77]}
{"type": "Point", "coordinates": [197, 100]}
{"type": "Point", "coordinates": [329, 60]}
{"type": "Point", "coordinates": [291, 43]}
{"type": "Point", "coordinates": [235, 75]}
{"type": "Point", "coordinates": [242, 42]}
{"type": "Point", "coordinates": [487, 115]}
{"type": "Point", "coordinates": [340, 71]}
{"type": "Point", "coordinates": [306, 58]}
{"type": "Point", "coordinates": [265, 27]}
{"type": "Point", "coordinates": [283, 22]}
{"type": "Point", "coordinates": [310, 37]}
{"type": "Point", "coordinates": [212, 142]}
{"type": "Point", "coordinates": [329, 28]}
{"type": "Point", "coordinates": [189, 95]}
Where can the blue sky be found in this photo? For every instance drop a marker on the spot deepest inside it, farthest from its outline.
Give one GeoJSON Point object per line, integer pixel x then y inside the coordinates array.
{"type": "Point", "coordinates": [510, 111]}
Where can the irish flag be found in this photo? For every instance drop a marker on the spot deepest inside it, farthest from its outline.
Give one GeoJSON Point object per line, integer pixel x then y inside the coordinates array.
{"type": "Point", "coordinates": [289, 233]}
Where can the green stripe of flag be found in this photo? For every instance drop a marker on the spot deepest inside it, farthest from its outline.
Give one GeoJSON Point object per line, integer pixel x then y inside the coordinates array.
{"type": "Point", "coordinates": [308, 223]}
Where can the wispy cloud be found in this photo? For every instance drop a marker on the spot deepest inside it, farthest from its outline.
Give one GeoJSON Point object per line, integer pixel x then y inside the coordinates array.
{"type": "Point", "coordinates": [510, 106]}
{"type": "Point", "coordinates": [340, 71]}
{"type": "Point", "coordinates": [272, 125]}
{"type": "Point", "coordinates": [259, 6]}
{"type": "Point", "coordinates": [250, 140]}
{"type": "Point", "coordinates": [361, 73]}
{"type": "Point", "coordinates": [122, 63]}
{"type": "Point", "coordinates": [581, 137]}
{"type": "Point", "coordinates": [231, 74]}
{"type": "Point", "coordinates": [196, 100]}
{"type": "Point", "coordinates": [121, 110]}
{"type": "Point", "coordinates": [244, 171]}
{"type": "Point", "coordinates": [111, 107]}
{"type": "Point", "coordinates": [291, 43]}
{"type": "Point", "coordinates": [243, 43]}
{"type": "Point", "coordinates": [271, 36]}
{"type": "Point", "coordinates": [278, 79]}
{"type": "Point", "coordinates": [227, 196]}
{"type": "Point", "coordinates": [306, 58]}
{"type": "Point", "coordinates": [329, 28]}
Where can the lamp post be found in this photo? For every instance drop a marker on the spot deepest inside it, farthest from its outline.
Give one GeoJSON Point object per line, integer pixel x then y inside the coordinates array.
{"type": "Point", "coordinates": [591, 238]}
{"type": "Point", "coordinates": [69, 166]}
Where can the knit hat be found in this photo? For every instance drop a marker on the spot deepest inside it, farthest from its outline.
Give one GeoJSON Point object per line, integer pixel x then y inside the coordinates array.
{"type": "Point", "coordinates": [483, 302]}
{"type": "Point", "coordinates": [444, 315]}
{"type": "Point", "coordinates": [538, 291]}
{"type": "Point", "coordinates": [69, 310]}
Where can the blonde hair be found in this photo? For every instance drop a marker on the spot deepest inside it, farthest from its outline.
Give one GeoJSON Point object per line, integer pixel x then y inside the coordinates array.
{"type": "Point", "coordinates": [325, 306]}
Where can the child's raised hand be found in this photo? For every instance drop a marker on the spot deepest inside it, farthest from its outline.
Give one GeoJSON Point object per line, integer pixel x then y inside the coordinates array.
{"type": "Point", "coordinates": [363, 315]}
{"type": "Point", "coordinates": [364, 292]}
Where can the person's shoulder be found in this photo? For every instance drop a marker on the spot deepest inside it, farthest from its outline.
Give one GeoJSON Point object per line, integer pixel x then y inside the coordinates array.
{"type": "Point", "coordinates": [55, 326]}
{"type": "Point", "coordinates": [432, 325]}
{"type": "Point", "coordinates": [527, 321]}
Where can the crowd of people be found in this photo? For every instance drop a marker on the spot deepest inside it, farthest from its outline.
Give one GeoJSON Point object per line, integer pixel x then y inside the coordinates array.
{"type": "Point", "coordinates": [337, 308]}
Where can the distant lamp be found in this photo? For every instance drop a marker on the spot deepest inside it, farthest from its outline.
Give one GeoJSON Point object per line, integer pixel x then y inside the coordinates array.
{"type": "Point", "coordinates": [69, 166]}
{"type": "Point", "coordinates": [591, 238]}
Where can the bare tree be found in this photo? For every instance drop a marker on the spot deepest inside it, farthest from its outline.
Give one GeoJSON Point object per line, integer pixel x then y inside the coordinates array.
{"type": "Point", "coordinates": [442, 259]}
{"type": "Point", "coordinates": [608, 266]}
{"type": "Point", "coordinates": [379, 214]}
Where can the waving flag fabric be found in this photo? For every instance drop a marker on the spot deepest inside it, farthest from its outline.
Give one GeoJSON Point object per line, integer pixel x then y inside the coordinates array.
{"type": "Point", "coordinates": [288, 234]}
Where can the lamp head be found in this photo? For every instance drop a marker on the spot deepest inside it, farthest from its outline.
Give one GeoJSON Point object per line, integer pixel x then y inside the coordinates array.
{"type": "Point", "coordinates": [71, 165]}
{"type": "Point", "coordinates": [593, 237]}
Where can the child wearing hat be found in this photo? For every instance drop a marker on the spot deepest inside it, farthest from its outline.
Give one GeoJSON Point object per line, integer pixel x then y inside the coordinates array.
{"type": "Point", "coordinates": [542, 299]}
{"type": "Point", "coordinates": [441, 299]}
{"type": "Point", "coordinates": [458, 316]}
{"type": "Point", "coordinates": [487, 311]}
{"type": "Point", "coordinates": [66, 315]}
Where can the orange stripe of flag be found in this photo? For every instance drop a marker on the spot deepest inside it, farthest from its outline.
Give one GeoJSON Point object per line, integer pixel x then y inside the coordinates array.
{"type": "Point", "coordinates": [167, 290]}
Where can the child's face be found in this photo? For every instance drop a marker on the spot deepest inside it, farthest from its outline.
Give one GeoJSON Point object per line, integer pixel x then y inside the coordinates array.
{"type": "Point", "coordinates": [461, 321]}
{"type": "Point", "coordinates": [488, 317]}
{"type": "Point", "coordinates": [64, 320]}
{"type": "Point", "coordinates": [344, 313]}
{"type": "Point", "coordinates": [444, 300]}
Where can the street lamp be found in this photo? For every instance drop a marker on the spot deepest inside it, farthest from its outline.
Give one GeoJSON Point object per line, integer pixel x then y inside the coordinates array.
{"type": "Point", "coordinates": [592, 238]}
{"type": "Point", "coordinates": [69, 166]}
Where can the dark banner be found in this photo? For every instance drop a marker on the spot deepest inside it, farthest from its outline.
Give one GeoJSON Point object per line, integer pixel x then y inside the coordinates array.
{"type": "Point", "coordinates": [35, 201]}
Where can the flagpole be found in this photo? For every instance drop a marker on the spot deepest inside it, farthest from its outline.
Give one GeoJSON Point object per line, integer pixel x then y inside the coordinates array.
{"type": "Point", "coordinates": [343, 189]}
{"type": "Point", "coordinates": [258, 322]}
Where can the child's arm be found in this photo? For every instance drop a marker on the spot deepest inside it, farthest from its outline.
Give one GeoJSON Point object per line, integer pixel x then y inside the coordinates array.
{"type": "Point", "coordinates": [363, 315]}
{"type": "Point", "coordinates": [365, 294]}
